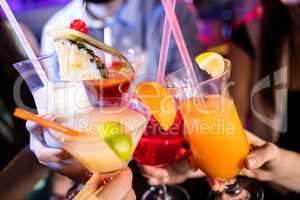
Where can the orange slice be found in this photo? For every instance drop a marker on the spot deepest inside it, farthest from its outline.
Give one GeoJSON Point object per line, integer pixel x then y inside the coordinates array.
{"type": "Point", "coordinates": [159, 102]}
{"type": "Point", "coordinates": [211, 62]}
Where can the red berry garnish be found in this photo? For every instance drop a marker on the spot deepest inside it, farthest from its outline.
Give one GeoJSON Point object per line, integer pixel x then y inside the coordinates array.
{"type": "Point", "coordinates": [79, 25]}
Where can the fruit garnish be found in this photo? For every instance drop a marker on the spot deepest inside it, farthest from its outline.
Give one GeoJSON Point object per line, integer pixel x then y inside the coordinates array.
{"type": "Point", "coordinates": [78, 62]}
{"type": "Point", "coordinates": [73, 35]}
{"type": "Point", "coordinates": [211, 62]}
{"type": "Point", "coordinates": [117, 139]}
{"type": "Point", "coordinates": [79, 25]}
{"type": "Point", "coordinates": [159, 102]}
{"type": "Point", "coordinates": [77, 55]}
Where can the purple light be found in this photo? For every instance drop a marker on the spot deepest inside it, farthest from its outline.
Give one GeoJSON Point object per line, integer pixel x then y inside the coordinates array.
{"type": "Point", "coordinates": [21, 5]}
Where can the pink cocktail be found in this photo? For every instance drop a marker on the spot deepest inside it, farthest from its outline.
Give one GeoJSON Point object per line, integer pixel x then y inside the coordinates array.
{"type": "Point", "coordinates": [158, 147]}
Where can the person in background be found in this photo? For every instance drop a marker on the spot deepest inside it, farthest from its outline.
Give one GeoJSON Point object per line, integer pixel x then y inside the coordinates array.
{"type": "Point", "coordinates": [135, 24]}
{"type": "Point", "coordinates": [269, 52]}
{"type": "Point", "coordinates": [13, 136]}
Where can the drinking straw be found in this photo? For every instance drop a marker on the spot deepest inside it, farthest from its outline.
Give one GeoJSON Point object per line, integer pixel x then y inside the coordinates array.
{"type": "Point", "coordinates": [174, 24]}
{"type": "Point", "coordinates": [23, 40]}
{"type": "Point", "coordinates": [164, 49]}
{"type": "Point", "coordinates": [83, 10]}
{"type": "Point", "coordinates": [26, 115]}
{"type": "Point", "coordinates": [107, 40]}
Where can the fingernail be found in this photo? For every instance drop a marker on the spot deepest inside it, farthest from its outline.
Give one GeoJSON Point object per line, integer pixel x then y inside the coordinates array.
{"type": "Point", "coordinates": [251, 163]}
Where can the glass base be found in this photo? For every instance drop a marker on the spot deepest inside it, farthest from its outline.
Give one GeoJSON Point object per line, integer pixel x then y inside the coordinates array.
{"type": "Point", "coordinates": [173, 193]}
{"type": "Point", "coordinates": [248, 190]}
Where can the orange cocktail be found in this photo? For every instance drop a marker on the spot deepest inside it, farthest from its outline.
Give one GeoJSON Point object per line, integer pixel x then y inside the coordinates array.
{"type": "Point", "coordinates": [213, 129]}
{"type": "Point", "coordinates": [216, 135]}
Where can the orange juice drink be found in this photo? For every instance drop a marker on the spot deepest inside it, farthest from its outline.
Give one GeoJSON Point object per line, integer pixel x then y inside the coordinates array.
{"type": "Point", "coordinates": [215, 134]}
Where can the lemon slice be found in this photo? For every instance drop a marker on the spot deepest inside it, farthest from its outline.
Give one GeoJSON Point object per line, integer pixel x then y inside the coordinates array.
{"type": "Point", "coordinates": [211, 62]}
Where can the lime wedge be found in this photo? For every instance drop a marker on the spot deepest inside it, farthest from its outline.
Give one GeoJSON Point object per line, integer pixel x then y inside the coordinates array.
{"type": "Point", "coordinates": [117, 139]}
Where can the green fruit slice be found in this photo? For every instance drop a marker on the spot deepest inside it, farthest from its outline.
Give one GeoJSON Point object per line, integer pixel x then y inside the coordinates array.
{"type": "Point", "coordinates": [117, 139]}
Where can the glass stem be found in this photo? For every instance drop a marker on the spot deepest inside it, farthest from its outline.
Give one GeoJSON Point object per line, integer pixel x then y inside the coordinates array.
{"type": "Point", "coordinates": [233, 188]}
{"type": "Point", "coordinates": [165, 192]}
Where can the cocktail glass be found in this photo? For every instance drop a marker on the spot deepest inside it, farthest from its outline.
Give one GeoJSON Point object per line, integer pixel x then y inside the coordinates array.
{"type": "Point", "coordinates": [159, 148]}
{"type": "Point", "coordinates": [110, 125]}
{"type": "Point", "coordinates": [215, 133]}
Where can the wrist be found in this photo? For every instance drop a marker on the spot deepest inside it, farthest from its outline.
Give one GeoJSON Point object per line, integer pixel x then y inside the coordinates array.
{"type": "Point", "coordinates": [280, 164]}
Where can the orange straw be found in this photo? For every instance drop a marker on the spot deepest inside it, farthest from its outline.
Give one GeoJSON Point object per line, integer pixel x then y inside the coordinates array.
{"type": "Point", "coordinates": [23, 114]}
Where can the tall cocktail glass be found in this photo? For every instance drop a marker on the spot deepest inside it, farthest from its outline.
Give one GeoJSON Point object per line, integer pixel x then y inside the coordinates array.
{"type": "Point", "coordinates": [214, 132]}
{"type": "Point", "coordinates": [159, 148]}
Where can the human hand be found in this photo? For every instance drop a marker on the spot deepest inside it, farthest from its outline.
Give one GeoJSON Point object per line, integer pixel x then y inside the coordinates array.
{"type": "Point", "coordinates": [120, 188]}
{"type": "Point", "coordinates": [170, 174]}
{"type": "Point", "coordinates": [56, 159]}
{"type": "Point", "coordinates": [263, 161]}
{"type": "Point", "coordinates": [261, 164]}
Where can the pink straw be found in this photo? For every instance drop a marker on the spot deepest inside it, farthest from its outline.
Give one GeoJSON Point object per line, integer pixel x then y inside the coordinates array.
{"type": "Point", "coordinates": [164, 48]}
{"type": "Point", "coordinates": [174, 24]}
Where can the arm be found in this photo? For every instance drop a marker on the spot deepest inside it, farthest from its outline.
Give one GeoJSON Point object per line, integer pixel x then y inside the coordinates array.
{"type": "Point", "coordinates": [241, 76]}
{"type": "Point", "coordinates": [290, 162]}
{"type": "Point", "coordinates": [21, 175]}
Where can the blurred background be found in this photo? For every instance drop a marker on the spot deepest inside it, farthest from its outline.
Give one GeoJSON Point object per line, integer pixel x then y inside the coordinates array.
{"type": "Point", "coordinates": [216, 18]}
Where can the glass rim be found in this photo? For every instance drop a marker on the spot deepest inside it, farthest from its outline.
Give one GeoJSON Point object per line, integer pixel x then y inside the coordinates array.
{"type": "Point", "coordinates": [205, 82]}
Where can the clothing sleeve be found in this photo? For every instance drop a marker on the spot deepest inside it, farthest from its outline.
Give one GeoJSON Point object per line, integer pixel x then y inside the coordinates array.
{"type": "Point", "coordinates": [60, 19]}
{"type": "Point", "coordinates": [47, 46]}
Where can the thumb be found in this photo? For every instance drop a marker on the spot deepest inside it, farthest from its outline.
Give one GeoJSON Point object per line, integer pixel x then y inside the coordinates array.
{"type": "Point", "coordinates": [261, 155]}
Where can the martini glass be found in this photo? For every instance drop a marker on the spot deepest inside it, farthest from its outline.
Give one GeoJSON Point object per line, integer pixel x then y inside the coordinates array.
{"type": "Point", "coordinates": [110, 123]}
{"type": "Point", "coordinates": [215, 133]}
